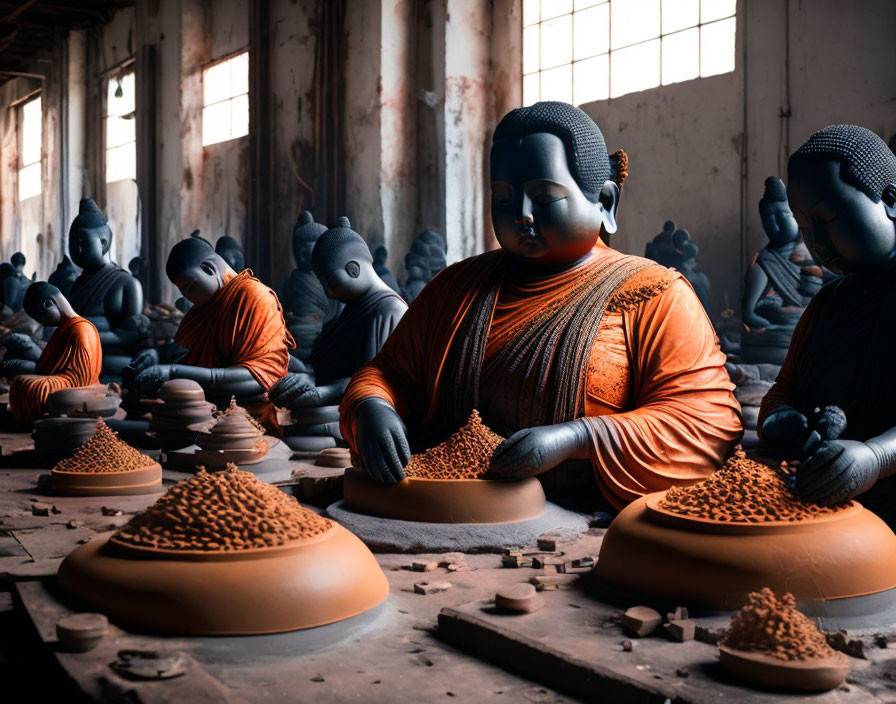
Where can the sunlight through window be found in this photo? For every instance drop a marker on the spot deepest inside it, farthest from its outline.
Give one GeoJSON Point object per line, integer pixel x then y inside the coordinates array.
{"type": "Point", "coordinates": [225, 86]}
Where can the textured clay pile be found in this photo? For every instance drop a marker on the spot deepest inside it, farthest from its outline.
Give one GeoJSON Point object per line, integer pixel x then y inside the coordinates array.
{"type": "Point", "coordinates": [104, 452]}
{"type": "Point", "coordinates": [774, 627]}
{"type": "Point", "coordinates": [465, 455]}
{"type": "Point", "coordinates": [222, 511]}
{"type": "Point", "coordinates": [743, 491]}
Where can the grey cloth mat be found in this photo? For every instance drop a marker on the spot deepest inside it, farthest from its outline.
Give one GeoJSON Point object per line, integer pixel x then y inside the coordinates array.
{"type": "Point", "coordinates": [388, 535]}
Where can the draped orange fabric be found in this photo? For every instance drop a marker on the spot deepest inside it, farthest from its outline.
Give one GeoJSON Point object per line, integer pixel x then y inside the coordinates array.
{"type": "Point", "coordinates": [658, 401]}
{"type": "Point", "coordinates": [241, 326]}
{"type": "Point", "coordinates": [72, 359]}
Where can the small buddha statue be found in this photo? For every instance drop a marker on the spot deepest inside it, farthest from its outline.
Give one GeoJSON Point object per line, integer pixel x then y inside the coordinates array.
{"type": "Point", "coordinates": [425, 259]}
{"type": "Point", "coordinates": [234, 335]}
{"type": "Point", "coordinates": [342, 262]}
{"type": "Point", "coordinates": [14, 286]}
{"type": "Point", "coordinates": [779, 284]}
{"type": "Point", "coordinates": [674, 248]}
{"type": "Point", "coordinates": [137, 267]}
{"type": "Point", "coordinates": [661, 247]}
{"type": "Point", "coordinates": [64, 275]}
{"type": "Point", "coordinates": [307, 306]}
{"type": "Point", "coordinates": [230, 251]}
{"type": "Point", "coordinates": [105, 293]}
{"type": "Point", "coordinates": [380, 255]}
{"type": "Point", "coordinates": [72, 358]}
{"type": "Point", "coordinates": [417, 275]}
{"type": "Point", "coordinates": [841, 187]}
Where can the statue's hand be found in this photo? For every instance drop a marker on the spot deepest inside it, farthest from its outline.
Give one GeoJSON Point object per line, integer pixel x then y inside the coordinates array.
{"type": "Point", "coordinates": [532, 451]}
{"type": "Point", "coordinates": [144, 359]}
{"type": "Point", "coordinates": [146, 384]}
{"type": "Point", "coordinates": [11, 368]}
{"type": "Point", "coordinates": [785, 428]}
{"type": "Point", "coordinates": [21, 346]}
{"type": "Point", "coordinates": [837, 470]}
{"type": "Point", "coordinates": [294, 391]}
{"type": "Point", "coordinates": [381, 441]}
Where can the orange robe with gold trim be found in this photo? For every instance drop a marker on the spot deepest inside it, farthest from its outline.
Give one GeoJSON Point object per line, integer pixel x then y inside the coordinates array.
{"type": "Point", "coordinates": [657, 399]}
{"type": "Point", "coordinates": [72, 359]}
{"type": "Point", "coordinates": [242, 325]}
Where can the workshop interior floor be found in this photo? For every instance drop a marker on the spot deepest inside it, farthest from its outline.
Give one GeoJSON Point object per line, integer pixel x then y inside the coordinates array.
{"type": "Point", "coordinates": [400, 659]}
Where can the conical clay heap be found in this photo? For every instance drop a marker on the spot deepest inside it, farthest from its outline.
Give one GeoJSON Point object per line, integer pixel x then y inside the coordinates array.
{"type": "Point", "coordinates": [235, 437]}
{"type": "Point", "coordinates": [106, 465]}
{"type": "Point", "coordinates": [743, 491]}
{"type": "Point", "coordinates": [228, 510]}
{"type": "Point", "coordinates": [466, 454]}
{"type": "Point", "coordinates": [180, 414]}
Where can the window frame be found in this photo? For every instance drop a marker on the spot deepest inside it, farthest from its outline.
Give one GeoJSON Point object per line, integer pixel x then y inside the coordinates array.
{"type": "Point", "coordinates": [204, 68]}
{"type": "Point", "coordinates": [126, 70]}
{"type": "Point", "coordinates": [19, 106]}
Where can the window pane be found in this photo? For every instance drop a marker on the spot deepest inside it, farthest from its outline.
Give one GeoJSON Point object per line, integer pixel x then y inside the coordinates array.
{"type": "Point", "coordinates": [592, 32]}
{"type": "Point", "coordinates": [119, 131]}
{"type": "Point", "coordinates": [530, 12]}
{"type": "Point", "coordinates": [555, 8]}
{"type": "Point", "coordinates": [124, 104]}
{"type": "Point", "coordinates": [635, 68]}
{"type": "Point", "coordinates": [121, 163]}
{"type": "Point", "coordinates": [239, 74]}
{"type": "Point", "coordinates": [717, 47]}
{"type": "Point", "coordinates": [216, 123]}
{"type": "Point", "coordinates": [216, 83]}
{"type": "Point", "coordinates": [531, 49]}
{"type": "Point", "coordinates": [582, 4]}
{"type": "Point", "coordinates": [556, 41]}
{"type": "Point", "coordinates": [716, 9]}
{"type": "Point", "coordinates": [31, 133]}
{"type": "Point", "coordinates": [591, 79]}
{"type": "Point", "coordinates": [634, 21]}
{"type": "Point", "coordinates": [681, 56]}
{"type": "Point", "coordinates": [239, 116]}
{"type": "Point", "coordinates": [556, 84]}
{"type": "Point", "coordinates": [29, 181]}
{"type": "Point", "coordinates": [680, 14]}
{"type": "Point", "coordinates": [530, 89]}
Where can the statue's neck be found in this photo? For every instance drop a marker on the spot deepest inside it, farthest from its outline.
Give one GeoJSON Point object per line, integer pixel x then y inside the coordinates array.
{"type": "Point", "coordinates": [94, 269]}
{"type": "Point", "coordinates": [526, 270]}
{"type": "Point", "coordinates": [786, 248]}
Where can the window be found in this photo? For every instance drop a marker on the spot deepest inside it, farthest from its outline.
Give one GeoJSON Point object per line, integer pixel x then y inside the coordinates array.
{"type": "Point", "coordinates": [121, 141]}
{"type": "Point", "coordinates": [579, 51]}
{"type": "Point", "coordinates": [225, 88]}
{"type": "Point", "coordinates": [30, 131]}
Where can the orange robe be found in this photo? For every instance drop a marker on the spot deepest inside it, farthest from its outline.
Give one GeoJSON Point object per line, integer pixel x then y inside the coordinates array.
{"type": "Point", "coordinates": [657, 399]}
{"type": "Point", "coordinates": [72, 359]}
{"type": "Point", "coordinates": [242, 325]}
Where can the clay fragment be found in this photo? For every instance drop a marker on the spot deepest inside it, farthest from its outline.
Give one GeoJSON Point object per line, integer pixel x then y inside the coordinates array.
{"type": "Point", "coordinates": [431, 587]}
{"type": "Point", "coordinates": [640, 621]}
{"type": "Point", "coordinates": [519, 598]}
{"type": "Point", "coordinates": [854, 647]}
{"type": "Point", "coordinates": [423, 566]}
{"type": "Point", "coordinates": [74, 523]}
{"type": "Point", "coordinates": [680, 630]}
{"type": "Point", "coordinates": [680, 614]}
{"type": "Point", "coordinates": [40, 509]}
{"type": "Point", "coordinates": [583, 562]}
{"type": "Point", "coordinates": [79, 633]}
{"type": "Point", "coordinates": [548, 542]}
{"type": "Point", "coordinates": [107, 511]}
{"type": "Point", "coordinates": [626, 646]}
{"type": "Point", "coordinates": [512, 560]}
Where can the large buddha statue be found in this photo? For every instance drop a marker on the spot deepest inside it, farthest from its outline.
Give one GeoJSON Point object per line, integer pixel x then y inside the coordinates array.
{"type": "Point", "coordinates": [71, 359]}
{"type": "Point", "coordinates": [235, 338]}
{"type": "Point", "coordinates": [64, 275]}
{"type": "Point", "coordinates": [304, 300]}
{"type": "Point", "coordinates": [105, 293]}
{"type": "Point", "coordinates": [842, 190]}
{"type": "Point", "coordinates": [569, 349]}
{"type": "Point", "coordinates": [230, 251]}
{"type": "Point", "coordinates": [342, 262]}
{"type": "Point", "coordinates": [779, 284]}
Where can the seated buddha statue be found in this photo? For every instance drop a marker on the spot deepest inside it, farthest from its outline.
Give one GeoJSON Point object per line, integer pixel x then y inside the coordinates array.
{"type": "Point", "coordinates": [105, 293]}
{"type": "Point", "coordinates": [307, 306]}
{"type": "Point", "coordinates": [342, 262]}
{"type": "Point", "coordinates": [569, 349]}
{"type": "Point", "coordinates": [71, 359]}
{"type": "Point", "coordinates": [380, 255]}
{"type": "Point", "coordinates": [64, 275]}
{"type": "Point", "coordinates": [230, 251]}
{"type": "Point", "coordinates": [779, 284]}
{"type": "Point", "coordinates": [14, 286]}
{"type": "Point", "coordinates": [841, 186]}
{"type": "Point", "coordinates": [674, 248]}
{"type": "Point", "coordinates": [234, 336]}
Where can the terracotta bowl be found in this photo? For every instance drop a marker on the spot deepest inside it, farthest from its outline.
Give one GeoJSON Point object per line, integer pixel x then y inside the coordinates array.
{"type": "Point", "coordinates": [146, 480]}
{"type": "Point", "coordinates": [818, 675]}
{"type": "Point", "coordinates": [675, 559]}
{"type": "Point", "coordinates": [299, 585]}
{"type": "Point", "coordinates": [445, 500]}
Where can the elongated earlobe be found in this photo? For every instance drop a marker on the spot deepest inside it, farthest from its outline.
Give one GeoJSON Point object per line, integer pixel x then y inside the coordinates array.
{"type": "Point", "coordinates": [609, 200]}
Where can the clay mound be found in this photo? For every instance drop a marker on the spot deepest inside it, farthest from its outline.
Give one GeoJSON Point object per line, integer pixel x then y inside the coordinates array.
{"type": "Point", "coordinates": [465, 455]}
{"type": "Point", "coordinates": [234, 428]}
{"type": "Point", "coordinates": [743, 491]}
{"type": "Point", "coordinates": [774, 627]}
{"type": "Point", "coordinates": [222, 511]}
{"type": "Point", "coordinates": [104, 452]}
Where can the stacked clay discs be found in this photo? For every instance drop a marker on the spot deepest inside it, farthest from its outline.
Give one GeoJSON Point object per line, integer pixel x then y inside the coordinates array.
{"type": "Point", "coordinates": [465, 455]}
{"type": "Point", "coordinates": [234, 437]}
{"type": "Point", "coordinates": [180, 414]}
{"type": "Point", "coordinates": [743, 490]}
{"type": "Point", "coordinates": [772, 644]}
{"type": "Point", "coordinates": [105, 465]}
